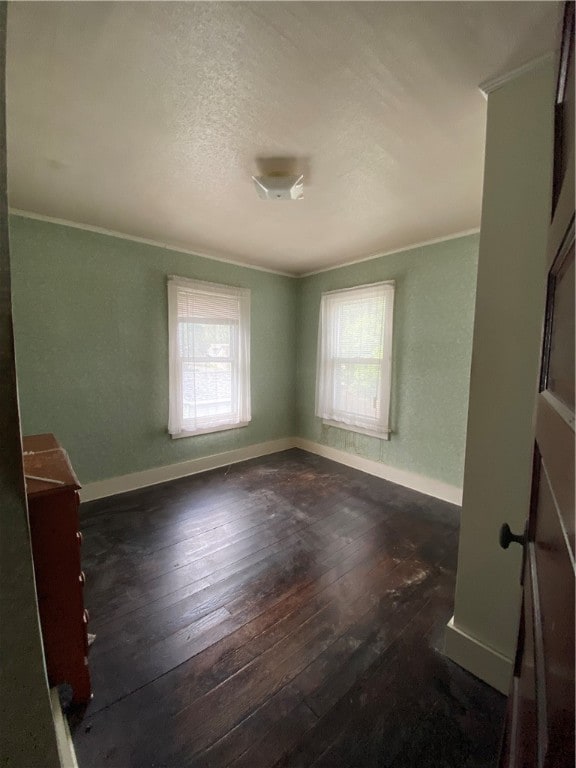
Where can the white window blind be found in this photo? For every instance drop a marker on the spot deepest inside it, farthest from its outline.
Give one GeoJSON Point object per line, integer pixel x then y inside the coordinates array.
{"type": "Point", "coordinates": [209, 339]}
{"type": "Point", "coordinates": [354, 362]}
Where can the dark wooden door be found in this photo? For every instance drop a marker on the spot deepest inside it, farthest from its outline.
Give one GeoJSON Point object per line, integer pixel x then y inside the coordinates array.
{"type": "Point", "coordinates": [540, 720]}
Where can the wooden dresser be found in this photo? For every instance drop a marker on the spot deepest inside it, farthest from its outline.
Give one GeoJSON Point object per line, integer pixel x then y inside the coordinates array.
{"type": "Point", "coordinates": [52, 490]}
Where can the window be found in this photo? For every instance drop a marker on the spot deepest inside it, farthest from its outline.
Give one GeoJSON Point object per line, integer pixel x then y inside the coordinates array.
{"type": "Point", "coordinates": [354, 358]}
{"type": "Point", "coordinates": [209, 338]}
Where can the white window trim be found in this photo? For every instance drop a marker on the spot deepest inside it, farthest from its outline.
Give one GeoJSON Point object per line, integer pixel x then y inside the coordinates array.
{"type": "Point", "coordinates": [385, 435]}
{"type": "Point", "coordinates": [241, 360]}
{"type": "Point", "coordinates": [386, 361]}
{"type": "Point", "coordinates": [223, 428]}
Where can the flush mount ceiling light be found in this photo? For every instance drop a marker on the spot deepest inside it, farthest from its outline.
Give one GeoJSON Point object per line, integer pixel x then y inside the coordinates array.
{"type": "Point", "coordinates": [279, 187]}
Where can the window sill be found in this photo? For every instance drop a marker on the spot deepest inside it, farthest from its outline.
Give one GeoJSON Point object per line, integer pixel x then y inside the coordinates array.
{"type": "Point", "coordinates": [210, 430]}
{"type": "Point", "coordinates": [341, 425]}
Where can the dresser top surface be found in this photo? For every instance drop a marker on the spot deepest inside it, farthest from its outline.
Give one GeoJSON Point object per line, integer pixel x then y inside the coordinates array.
{"type": "Point", "coordinates": [47, 468]}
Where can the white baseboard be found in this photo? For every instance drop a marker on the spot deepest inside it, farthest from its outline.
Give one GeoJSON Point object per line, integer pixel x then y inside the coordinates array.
{"type": "Point", "coordinates": [110, 487]}
{"type": "Point", "coordinates": [64, 742]}
{"type": "Point", "coordinates": [102, 488]}
{"type": "Point", "coordinates": [479, 659]}
{"type": "Point", "coordinates": [421, 483]}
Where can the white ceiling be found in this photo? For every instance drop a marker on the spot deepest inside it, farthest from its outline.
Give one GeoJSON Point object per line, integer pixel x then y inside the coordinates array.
{"type": "Point", "coordinates": [148, 119]}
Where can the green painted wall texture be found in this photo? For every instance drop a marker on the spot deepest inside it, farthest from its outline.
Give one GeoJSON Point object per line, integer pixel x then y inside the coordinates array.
{"type": "Point", "coordinates": [432, 345]}
{"type": "Point", "coordinates": [91, 344]}
{"type": "Point", "coordinates": [91, 327]}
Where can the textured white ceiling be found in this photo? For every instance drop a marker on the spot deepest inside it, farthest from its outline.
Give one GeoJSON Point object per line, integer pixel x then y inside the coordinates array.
{"type": "Point", "coordinates": [149, 119]}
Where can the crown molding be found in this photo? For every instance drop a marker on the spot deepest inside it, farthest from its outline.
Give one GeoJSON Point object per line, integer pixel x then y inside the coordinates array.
{"type": "Point", "coordinates": [493, 83]}
{"type": "Point", "coordinates": [379, 254]}
{"type": "Point", "coordinates": [167, 246]}
{"type": "Point", "coordinates": [145, 241]}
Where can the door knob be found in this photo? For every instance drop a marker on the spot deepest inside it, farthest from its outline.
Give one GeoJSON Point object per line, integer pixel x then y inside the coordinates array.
{"type": "Point", "coordinates": [507, 537]}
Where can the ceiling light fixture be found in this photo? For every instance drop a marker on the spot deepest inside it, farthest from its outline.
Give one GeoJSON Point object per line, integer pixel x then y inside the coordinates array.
{"type": "Point", "coordinates": [279, 187]}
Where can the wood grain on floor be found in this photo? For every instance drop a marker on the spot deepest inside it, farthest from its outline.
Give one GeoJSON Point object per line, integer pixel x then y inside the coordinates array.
{"type": "Point", "coordinates": [286, 611]}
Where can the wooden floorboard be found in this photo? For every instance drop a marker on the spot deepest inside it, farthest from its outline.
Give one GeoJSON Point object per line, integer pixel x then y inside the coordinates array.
{"type": "Point", "coordinates": [286, 611]}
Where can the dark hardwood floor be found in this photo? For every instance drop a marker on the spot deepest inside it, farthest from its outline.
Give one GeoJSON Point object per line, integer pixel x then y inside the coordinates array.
{"type": "Point", "coordinates": [287, 611]}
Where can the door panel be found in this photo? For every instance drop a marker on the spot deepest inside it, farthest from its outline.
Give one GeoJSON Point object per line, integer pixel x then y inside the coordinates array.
{"type": "Point", "coordinates": [556, 441]}
{"type": "Point", "coordinates": [522, 746]}
{"type": "Point", "coordinates": [540, 721]}
{"type": "Point", "coordinates": [555, 570]}
{"type": "Point", "coordinates": [561, 365]}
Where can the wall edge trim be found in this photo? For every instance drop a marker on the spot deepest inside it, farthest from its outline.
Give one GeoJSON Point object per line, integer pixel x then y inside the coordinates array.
{"type": "Point", "coordinates": [403, 249]}
{"type": "Point", "coordinates": [478, 658]}
{"type": "Point", "coordinates": [493, 83]}
{"type": "Point", "coordinates": [224, 259]}
{"type": "Point", "coordinates": [431, 487]}
{"type": "Point", "coordinates": [100, 489]}
{"type": "Point", "coordinates": [64, 741]}
{"type": "Point", "coordinates": [145, 241]}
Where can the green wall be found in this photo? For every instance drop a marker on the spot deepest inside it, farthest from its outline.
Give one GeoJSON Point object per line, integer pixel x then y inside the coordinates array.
{"type": "Point", "coordinates": [90, 314]}
{"type": "Point", "coordinates": [91, 345]}
{"type": "Point", "coordinates": [433, 318]}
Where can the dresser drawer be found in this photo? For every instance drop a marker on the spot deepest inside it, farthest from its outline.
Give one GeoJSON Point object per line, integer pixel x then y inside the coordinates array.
{"type": "Point", "coordinates": [53, 503]}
